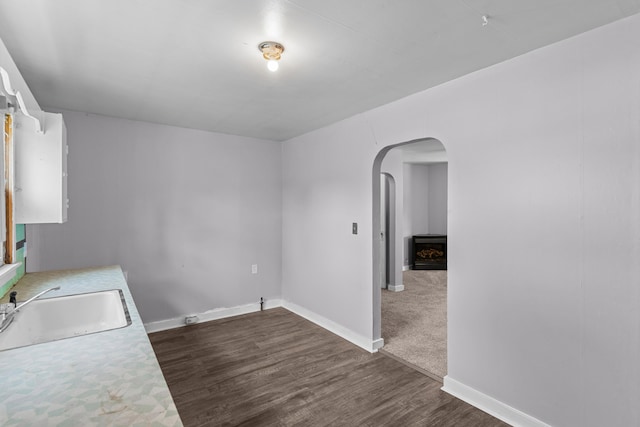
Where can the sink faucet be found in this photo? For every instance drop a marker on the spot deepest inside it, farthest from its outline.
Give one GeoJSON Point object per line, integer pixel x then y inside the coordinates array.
{"type": "Point", "coordinates": [9, 313]}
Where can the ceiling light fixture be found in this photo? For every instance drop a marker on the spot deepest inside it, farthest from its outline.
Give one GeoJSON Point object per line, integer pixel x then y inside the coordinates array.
{"type": "Point", "coordinates": [272, 52]}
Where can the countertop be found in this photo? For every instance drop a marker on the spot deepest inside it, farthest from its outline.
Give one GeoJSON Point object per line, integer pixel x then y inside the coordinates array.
{"type": "Point", "coordinates": [110, 378]}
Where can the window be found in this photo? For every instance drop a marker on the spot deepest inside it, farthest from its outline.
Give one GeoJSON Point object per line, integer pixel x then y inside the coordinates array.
{"type": "Point", "coordinates": [6, 144]}
{"type": "Point", "coordinates": [9, 227]}
{"type": "Point", "coordinates": [8, 265]}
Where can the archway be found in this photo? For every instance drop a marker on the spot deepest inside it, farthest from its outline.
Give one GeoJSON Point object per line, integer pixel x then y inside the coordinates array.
{"type": "Point", "coordinates": [414, 157]}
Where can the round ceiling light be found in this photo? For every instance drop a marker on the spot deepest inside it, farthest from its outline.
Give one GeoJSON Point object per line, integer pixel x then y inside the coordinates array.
{"type": "Point", "coordinates": [272, 52]}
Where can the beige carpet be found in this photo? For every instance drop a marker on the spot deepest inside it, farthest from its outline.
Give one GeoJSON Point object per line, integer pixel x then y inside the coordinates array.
{"type": "Point", "coordinates": [414, 321]}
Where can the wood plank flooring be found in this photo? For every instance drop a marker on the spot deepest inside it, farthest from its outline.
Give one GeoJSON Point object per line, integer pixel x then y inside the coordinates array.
{"type": "Point", "coordinates": [274, 368]}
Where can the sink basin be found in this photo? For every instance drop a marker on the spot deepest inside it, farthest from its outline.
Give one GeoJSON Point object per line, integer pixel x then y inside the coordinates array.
{"type": "Point", "coordinates": [51, 319]}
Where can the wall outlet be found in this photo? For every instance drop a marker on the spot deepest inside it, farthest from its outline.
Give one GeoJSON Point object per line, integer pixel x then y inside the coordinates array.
{"type": "Point", "coordinates": [254, 269]}
{"type": "Point", "coordinates": [190, 320]}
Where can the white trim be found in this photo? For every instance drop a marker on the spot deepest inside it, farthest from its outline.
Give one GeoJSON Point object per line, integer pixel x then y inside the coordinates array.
{"type": "Point", "coordinates": [377, 344]}
{"type": "Point", "coordinates": [7, 272]}
{"type": "Point", "coordinates": [490, 405]}
{"type": "Point", "coordinates": [371, 346]}
{"type": "Point", "coordinates": [331, 326]}
{"type": "Point", "coordinates": [395, 288]}
{"type": "Point", "coordinates": [6, 84]}
{"type": "Point", "coordinates": [218, 313]}
{"type": "Point", "coordinates": [406, 267]}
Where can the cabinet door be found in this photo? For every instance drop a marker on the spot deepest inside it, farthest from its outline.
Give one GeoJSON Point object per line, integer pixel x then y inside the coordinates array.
{"type": "Point", "coordinates": [40, 171]}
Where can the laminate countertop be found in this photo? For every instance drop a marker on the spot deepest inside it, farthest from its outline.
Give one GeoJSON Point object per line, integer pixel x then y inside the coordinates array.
{"type": "Point", "coordinates": [110, 378]}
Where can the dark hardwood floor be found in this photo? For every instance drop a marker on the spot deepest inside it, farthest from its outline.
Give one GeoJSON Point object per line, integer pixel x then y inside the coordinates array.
{"type": "Point", "coordinates": [274, 368]}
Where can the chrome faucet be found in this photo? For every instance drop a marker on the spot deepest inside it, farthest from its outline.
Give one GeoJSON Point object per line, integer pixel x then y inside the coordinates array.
{"type": "Point", "coordinates": [9, 313]}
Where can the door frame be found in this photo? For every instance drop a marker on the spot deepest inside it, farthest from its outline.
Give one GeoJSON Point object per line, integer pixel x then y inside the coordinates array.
{"type": "Point", "coordinates": [375, 235]}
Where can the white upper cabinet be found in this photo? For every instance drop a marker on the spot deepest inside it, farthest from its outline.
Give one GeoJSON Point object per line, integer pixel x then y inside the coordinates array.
{"type": "Point", "coordinates": [40, 170]}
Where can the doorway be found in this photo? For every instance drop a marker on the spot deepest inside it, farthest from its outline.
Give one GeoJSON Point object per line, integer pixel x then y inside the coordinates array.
{"type": "Point", "coordinates": [413, 322]}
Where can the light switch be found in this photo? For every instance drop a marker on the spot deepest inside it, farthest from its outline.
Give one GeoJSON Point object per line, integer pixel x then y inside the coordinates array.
{"type": "Point", "coordinates": [254, 268]}
{"type": "Point", "coordinates": [354, 228]}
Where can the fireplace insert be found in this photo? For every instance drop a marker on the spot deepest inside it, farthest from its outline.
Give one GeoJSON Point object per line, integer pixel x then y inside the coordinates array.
{"type": "Point", "coordinates": [429, 252]}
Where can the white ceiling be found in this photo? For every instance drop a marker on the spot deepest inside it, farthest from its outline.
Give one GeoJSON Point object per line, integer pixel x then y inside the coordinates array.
{"type": "Point", "coordinates": [196, 64]}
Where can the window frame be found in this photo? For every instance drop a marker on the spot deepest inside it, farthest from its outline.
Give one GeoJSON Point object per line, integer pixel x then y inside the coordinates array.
{"type": "Point", "coordinates": [8, 266]}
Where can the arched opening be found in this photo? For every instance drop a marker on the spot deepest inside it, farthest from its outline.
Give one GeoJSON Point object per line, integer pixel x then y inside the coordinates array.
{"type": "Point", "coordinates": [413, 326]}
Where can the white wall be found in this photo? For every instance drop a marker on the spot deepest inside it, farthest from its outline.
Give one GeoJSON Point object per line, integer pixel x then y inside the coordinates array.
{"type": "Point", "coordinates": [392, 165]}
{"type": "Point", "coordinates": [407, 217]}
{"type": "Point", "coordinates": [416, 205]}
{"type": "Point", "coordinates": [327, 187]}
{"type": "Point", "coordinates": [425, 202]}
{"type": "Point", "coordinates": [437, 198]}
{"type": "Point", "coordinates": [417, 200]}
{"type": "Point", "coordinates": [544, 242]}
{"type": "Point", "coordinates": [185, 212]}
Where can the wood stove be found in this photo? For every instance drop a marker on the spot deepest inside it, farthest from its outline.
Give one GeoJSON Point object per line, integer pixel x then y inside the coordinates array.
{"type": "Point", "coordinates": [429, 252]}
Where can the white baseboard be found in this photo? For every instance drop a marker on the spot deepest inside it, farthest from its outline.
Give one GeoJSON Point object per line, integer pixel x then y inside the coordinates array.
{"type": "Point", "coordinates": [377, 344]}
{"type": "Point", "coordinates": [406, 267]}
{"type": "Point", "coordinates": [395, 288]}
{"type": "Point", "coordinates": [331, 326]}
{"type": "Point", "coordinates": [490, 405]}
{"type": "Point", "coordinates": [221, 313]}
{"type": "Point", "coordinates": [218, 313]}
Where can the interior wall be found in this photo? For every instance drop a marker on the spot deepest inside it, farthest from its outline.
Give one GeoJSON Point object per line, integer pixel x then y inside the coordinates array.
{"type": "Point", "coordinates": [544, 254]}
{"type": "Point", "coordinates": [186, 213]}
{"type": "Point", "coordinates": [437, 197]}
{"type": "Point", "coordinates": [406, 214]}
{"type": "Point", "coordinates": [425, 202]}
{"type": "Point", "coordinates": [392, 164]}
{"type": "Point", "coordinates": [326, 184]}
{"type": "Point", "coordinates": [418, 201]}
{"type": "Point", "coordinates": [416, 205]}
